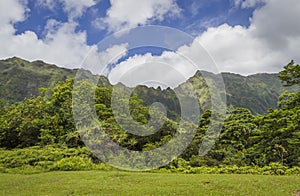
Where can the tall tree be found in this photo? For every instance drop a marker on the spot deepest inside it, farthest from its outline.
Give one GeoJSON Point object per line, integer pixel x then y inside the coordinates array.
{"type": "Point", "coordinates": [279, 140]}
{"type": "Point", "coordinates": [290, 75]}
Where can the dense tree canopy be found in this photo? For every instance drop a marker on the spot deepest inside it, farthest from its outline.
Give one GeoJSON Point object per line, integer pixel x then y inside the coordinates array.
{"type": "Point", "coordinates": [245, 139]}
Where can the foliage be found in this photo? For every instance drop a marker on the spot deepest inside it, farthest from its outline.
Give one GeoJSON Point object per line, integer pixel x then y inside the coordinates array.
{"type": "Point", "coordinates": [48, 158]}
{"type": "Point", "coordinates": [275, 168]}
{"type": "Point", "coordinates": [20, 126]}
{"type": "Point", "coordinates": [36, 159]}
{"type": "Point", "coordinates": [290, 75]}
{"type": "Point", "coordinates": [73, 164]}
{"type": "Point", "coordinates": [266, 140]}
{"type": "Point", "coordinates": [21, 79]}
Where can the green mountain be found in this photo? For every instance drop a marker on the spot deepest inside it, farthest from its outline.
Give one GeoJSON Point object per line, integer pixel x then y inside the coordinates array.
{"type": "Point", "coordinates": [20, 79]}
{"type": "Point", "coordinates": [257, 92]}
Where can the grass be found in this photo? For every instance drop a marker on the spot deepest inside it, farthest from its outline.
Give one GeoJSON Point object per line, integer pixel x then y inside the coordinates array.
{"type": "Point", "coordinates": [139, 183]}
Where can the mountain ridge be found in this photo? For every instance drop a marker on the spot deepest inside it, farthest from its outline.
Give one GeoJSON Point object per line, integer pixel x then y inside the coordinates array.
{"type": "Point", "coordinates": [257, 92]}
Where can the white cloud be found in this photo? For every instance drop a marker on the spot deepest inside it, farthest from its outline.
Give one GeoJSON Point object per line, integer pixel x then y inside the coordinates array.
{"type": "Point", "coordinates": [131, 13]}
{"type": "Point", "coordinates": [252, 3]}
{"type": "Point", "coordinates": [270, 42]}
{"type": "Point", "coordinates": [248, 3]}
{"type": "Point", "coordinates": [98, 62]}
{"type": "Point", "coordinates": [166, 70]}
{"type": "Point", "coordinates": [266, 46]}
{"type": "Point", "coordinates": [12, 11]}
{"type": "Point", "coordinates": [237, 2]}
{"type": "Point", "coordinates": [277, 23]}
{"type": "Point", "coordinates": [62, 45]}
{"type": "Point", "coordinates": [74, 8]}
{"type": "Point", "coordinates": [235, 49]}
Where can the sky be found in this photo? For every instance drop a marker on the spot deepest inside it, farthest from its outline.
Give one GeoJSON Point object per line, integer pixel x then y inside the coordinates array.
{"type": "Point", "coordinates": [111, 37]}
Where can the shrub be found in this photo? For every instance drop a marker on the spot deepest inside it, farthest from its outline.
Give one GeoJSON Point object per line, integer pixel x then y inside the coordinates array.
{"type": "Point", "coordinates": [272, 169]}
{"type": "Point", "coordinates": [75, 163]}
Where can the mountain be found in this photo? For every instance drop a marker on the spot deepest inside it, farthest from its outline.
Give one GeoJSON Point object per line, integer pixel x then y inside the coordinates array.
{"type": "Point", "coordinates": [20, 79]}
{"type": "Point", "coordinates": [257, 92]}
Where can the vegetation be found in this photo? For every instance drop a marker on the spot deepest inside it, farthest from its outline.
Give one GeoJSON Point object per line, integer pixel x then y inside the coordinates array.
{"type": "Point", "coordinates": [21, 79]}
{"type": "Point", "coordinates": [131, 183]}
{"type": "Point", "coordinates": [49, 158]}
{"type": "Point", "coordinates": [39, 134]}
{"type": "Point", "coordinates": [36, 159]}
{"type": "Point", "coordinates": [291, 74]}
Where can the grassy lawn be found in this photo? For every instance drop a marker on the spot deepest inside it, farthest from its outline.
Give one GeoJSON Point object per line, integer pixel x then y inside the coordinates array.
{"type": "Point", "coordinates": [138, 183]}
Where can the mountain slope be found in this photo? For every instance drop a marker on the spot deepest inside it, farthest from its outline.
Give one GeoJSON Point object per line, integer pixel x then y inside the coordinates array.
{"type": "Point", "coordinates": [20, 79]}
{"type": "Point", "coordinates": [257, 92]}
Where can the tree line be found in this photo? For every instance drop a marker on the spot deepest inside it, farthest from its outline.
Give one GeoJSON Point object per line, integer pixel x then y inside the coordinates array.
{"type": "Point", "coordinates": [245, 139]}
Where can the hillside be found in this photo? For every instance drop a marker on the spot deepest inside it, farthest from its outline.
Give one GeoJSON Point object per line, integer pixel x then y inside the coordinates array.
{"type": "Point", "coordinates": [20, 79]}
{"type": "Point", "coordinates": [257, 92]}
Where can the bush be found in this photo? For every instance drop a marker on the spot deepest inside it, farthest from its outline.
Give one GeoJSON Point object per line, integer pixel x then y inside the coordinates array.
{"type": "Point", "coordinates": [75, 163]}
{"type": "Point", "coordinates": [36, 159]}
{"type": "Point", "coordinates": [272, 169]}
{"type": "Point", "coordinates": [52, 158]}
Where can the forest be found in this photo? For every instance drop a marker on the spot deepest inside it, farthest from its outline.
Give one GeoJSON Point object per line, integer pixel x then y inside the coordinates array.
{"type": "Point", "coordinates": [40, 132]}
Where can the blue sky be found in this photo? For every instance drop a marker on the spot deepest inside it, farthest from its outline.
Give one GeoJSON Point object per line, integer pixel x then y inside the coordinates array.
{"type": "Point", "coordinates": [194, 18]}
{"type": "Point", "coordinates": [240, 36]}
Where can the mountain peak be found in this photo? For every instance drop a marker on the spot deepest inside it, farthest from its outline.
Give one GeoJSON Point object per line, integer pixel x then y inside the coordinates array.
{"type": "Point", "coordinates": [20, 78]}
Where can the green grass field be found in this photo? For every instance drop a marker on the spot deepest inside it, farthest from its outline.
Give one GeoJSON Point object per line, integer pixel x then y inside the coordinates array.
{"type": "Point", "coordinates": [139, 183]}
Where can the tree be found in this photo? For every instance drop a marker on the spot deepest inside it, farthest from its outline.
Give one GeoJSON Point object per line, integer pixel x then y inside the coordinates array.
{"type": "Point", "coordinates": [290, 75]}
{"type": "Point", "coordinates": [21, 124]}
{"type": "Point", "coordinates": [235, 137]}
{"type": "Point", "coordinates": [279, 140]}
{"type": "Point", "coordinates": [280, 151]}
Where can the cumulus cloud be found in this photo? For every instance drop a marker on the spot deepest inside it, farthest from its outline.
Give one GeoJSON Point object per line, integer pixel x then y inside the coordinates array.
{"type": "Point", "coordinates": [265, 46]}
{"type": "Point", "coordinates": [169, 69]}
{"type": "Point", "coordinates": [270, 42]}
{"type": "Point", "coordinates": [74, 9]}
{"type": "Point", "coordinates": [236, 49]}
{"type": "Point", "coordinates": [17, 11]}
{"type": "Point", "coordinates": [131, 13]}
{"type": "Point", "coordinates": [151, 70]}
{"type": "Point", "coordinates": [276, 25]}
{"type": "Point", "coordinates": [62, 45]}
{"type": "Point", "coordinates": [99, 62]}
